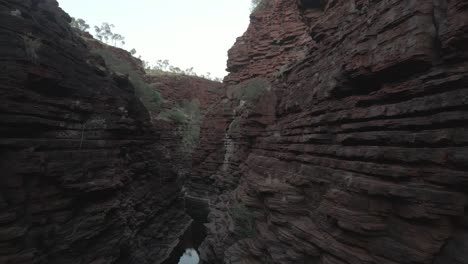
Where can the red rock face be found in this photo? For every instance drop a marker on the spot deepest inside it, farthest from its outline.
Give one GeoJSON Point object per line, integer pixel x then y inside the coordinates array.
{"type": "Point", "coordinates": [358, 152]}
{"type": "Point", "coordinates": [270, 44]}
{"type": "Point", "coordinates": [176, 88]}
{"type": "Point", "coordinates": [82, 176]}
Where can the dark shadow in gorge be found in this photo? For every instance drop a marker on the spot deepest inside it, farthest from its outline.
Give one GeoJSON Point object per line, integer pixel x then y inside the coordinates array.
{"type": "Point", "coordinates": [186, 252]}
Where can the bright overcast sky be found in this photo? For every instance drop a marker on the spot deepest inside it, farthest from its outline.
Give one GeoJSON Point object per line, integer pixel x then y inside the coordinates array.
{"type": "Point", "coordinates": [186, 32]}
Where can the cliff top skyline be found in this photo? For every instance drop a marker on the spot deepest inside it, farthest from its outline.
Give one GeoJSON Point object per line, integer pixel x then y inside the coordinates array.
{"type": "Point", "coordinates": [209, 27]}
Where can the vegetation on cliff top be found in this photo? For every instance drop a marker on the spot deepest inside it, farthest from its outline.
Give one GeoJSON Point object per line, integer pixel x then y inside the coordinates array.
{"type": "Point", "coordinates": [79, 24]}
{"type": "Point", "coordinates": [165, 67]}
{"type": "Point", "coordinates": [151, 98]}
{"type": "Point", "coordinates": [256, 5]}
{"type": "Point", "coordinates": [105, 34]}
{"type": "Point", "coordinates": [186, 115]}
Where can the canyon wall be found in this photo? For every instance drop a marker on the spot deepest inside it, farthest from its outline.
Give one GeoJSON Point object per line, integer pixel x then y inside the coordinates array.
{"type": "Point", "coordinates": [355, 151]}
{"type": "Point", "coordinates": [176, 88]}
{"type": "Point", "coordinates": [83, 177]}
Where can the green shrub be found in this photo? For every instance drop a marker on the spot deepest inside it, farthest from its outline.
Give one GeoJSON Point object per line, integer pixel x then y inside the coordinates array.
{"type": "Point", "coordinates": [188, 116]}
{"type": "Point", "coordinates": [244, 221]}
{"type": "Point", "coordinates": [175, 114]}
{"type": "Point", "coordinates": [258, 5]}
{"type": "Point", "coordinates": [251, 90]}
{"type": "Point", "coordinates": [190, 138]}
{"type": "Point", "coordinates": [31, 47]}
{"type": "Point", "coordinates": [191, 130]}
{"type": "Point", "coordinates": [151, 98]}
{"type": "Point", "coordinates": [156, 99]}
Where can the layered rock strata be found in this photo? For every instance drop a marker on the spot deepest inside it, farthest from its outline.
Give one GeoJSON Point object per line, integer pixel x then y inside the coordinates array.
{"type": "Point", "coordinates": [276, 37]}
{"type": "Point", "coordinates": [177, 88]}
{"type": "Point", "coordinates": [357, 151]}
{"type": "Point", "coordinates": [82, 177]}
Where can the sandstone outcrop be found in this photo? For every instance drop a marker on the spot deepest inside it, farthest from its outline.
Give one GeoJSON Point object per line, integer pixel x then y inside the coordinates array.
{"type": "Point", "coordinates": [357, 151]}
{"type": "Point", "coordinates": [83, 179]}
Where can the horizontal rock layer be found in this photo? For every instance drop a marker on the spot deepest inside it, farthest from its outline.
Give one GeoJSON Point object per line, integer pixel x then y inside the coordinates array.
{"type": "Point", "coordinates": [83, 179]}
{"type": "Point", "coordinates": [362, 158]}
{"type": "Point", "coordinates": [177, 88]}
{"type": "Point", "coordinates": [271, 43]}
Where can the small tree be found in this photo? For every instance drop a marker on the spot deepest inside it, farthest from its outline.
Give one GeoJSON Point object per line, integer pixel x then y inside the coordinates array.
{"type": "Point", "coordinates": [190, 71]}
{"type": "Point", "coordinates": [146, 65]}
{"type": "Point", "coordinates": [104, 32]}
{"type": "Point", "coordinates": [254, 4]}
{"type": "Point", "coordinates": [162, 65]}
{"type": "Point", "coordinates": [117, 38]}
{"type": "Point", "coordinates": [133, 52]}
{"type": "Point", "coordinates": [257, 4]}
{"type": "Point", "coordinates": [175, 69]}
{"type": "Point", "coordinates": [79, 24]}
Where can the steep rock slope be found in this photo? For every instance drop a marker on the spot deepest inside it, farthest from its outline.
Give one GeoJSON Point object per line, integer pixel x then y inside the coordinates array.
{"type": "Point", "coordinates": [185, 101]}
{"type": "Point", "coordinates": [357, 151]}
{"type": "Point", "coordinates": [177, 103]}
{"type": "Point", "coordinates": [270, 43]}
{"type": "Point", "coordinates": [276, 38]}
{"type": "Point", "coordinates": [82, 178]}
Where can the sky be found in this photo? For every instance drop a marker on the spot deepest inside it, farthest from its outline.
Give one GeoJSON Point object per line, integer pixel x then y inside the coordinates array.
{"type": "Point", "coordinates": [186, 32]}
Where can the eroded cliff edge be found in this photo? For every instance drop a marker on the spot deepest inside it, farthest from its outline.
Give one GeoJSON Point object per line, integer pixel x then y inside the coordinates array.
{"type": "Point", "coordinates": [355, 151]}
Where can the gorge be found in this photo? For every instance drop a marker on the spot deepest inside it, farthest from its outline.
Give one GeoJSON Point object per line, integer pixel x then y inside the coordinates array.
{"type": "Point", "coordinates": [339, 136]}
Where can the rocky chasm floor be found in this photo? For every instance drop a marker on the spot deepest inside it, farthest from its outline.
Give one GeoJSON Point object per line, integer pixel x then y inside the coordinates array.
{"type": "Point", "coordinates": [338, 137]}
